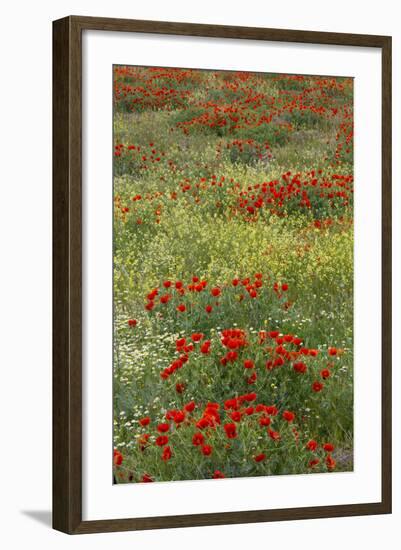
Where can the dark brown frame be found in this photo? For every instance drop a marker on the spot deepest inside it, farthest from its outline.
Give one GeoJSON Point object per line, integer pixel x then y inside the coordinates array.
{"type": "Point", "coordinates": [67, 279]}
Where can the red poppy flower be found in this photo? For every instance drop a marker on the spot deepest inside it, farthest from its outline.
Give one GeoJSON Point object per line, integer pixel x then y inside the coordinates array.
{"type": "Point", "coordinates": [146, 478]}
{"type": "Point", "coordinates": [152, 295]}
{"type": "Point", "coordinates": [328, 447]}
{"type": "Point", "coordinates": [218, 475]}
{"type": "Point", "coordinates": [314, 462]}
{"type": "Point", "coordinates": [205, 347]}
{"type": "Point", "coordinates": [260, 457]}
{"type": "Point", "coordinates": [197, 336]}
{"type": "Point", "coordinates": [231, 403]}
{"type": "Point", "coordinates": [288, 416]}
{"type": "Point", "coordinates": [181, 307]}
{"type": "Point", "coordinates": [179, 387]}
{"type": "Point", "coordinates": [284, 287]}
{"type": "Point", "coordinates": [215, 292]}
{"type": "Point", "coordinates": [208, 309]}
{"type": "Point", "coordinates": [317, 386]}
{"type": "Point", "coordinates": [132, 322]}
{"type": "Point", "coordinates": [178, 285]}
{"type": "Point", "coordinates": [249, 397]}
{"type": "Point", "coordinates": [163, 428]}
{"type": "Point", "coordinates": [198, 439]}
{"type": "Point", "coordinates": [144, 421]}
{"type": "Point", "coordinates": [236, 416]}
{"type": "Point", "coordinates": [278, 362]}
{"type": "Point", "coordinates": [189, 407]}
{"type": "Point", "coordinates": [178, 417]}
{"type": "Point", "coordinates": [166, 453]}
{"type": "Point", "coordinates": [204, 422]}
{"type": "Point", "coordinates": [161, 440]}
{"type": "Point", "coordinates": [332, 351]}
{"type": "Point", "coordinates": [300, 367]}
{"type": "Point", "coordinates": [167, 284]}
{"type": "Point", "coordinates": [231, 430]}
{"type": "Point", "coordinates": [264, 421]}
{"type": "Point", "coordinates": [249, 364]}
{"type": "Point", "coordinates": [280, 350]}
{"type": "Point", "coordinates": [274, 435]}
{"type": "Point", "coordinates": [149, 306]}
{"type": "Point", "coordinates": [206, 450]}
{"type": "Point", "coordinates": [325, 373]}
{"type": "Point", "coordinates": [330, 462]}
{"type": "Point", "coordinates": [311, 445]}
{"type": "Point", "coordinates": [233, 343]}
{"type": "Point", "coordinates": [180, 343]}
{"type": "Point", "coordinates": [118, 457]}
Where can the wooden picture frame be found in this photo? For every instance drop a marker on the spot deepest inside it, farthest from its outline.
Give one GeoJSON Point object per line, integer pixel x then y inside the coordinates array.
{"type": "Point", "coordinates": [67, 273]}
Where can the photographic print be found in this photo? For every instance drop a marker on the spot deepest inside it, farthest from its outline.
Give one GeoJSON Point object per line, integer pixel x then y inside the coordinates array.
{"type": "Point", "coordinates": [233, 274]}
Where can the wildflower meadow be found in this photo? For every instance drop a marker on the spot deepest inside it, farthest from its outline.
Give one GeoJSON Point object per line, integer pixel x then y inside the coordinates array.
{"type": "Point", "coordinates": [233, 274]}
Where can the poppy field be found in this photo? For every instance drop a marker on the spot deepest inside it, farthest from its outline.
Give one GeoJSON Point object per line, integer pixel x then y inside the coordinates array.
{"type": "Point", "coordinates": [233, 274]}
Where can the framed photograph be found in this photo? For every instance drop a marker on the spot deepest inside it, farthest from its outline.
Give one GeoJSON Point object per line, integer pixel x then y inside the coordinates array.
{"type": "Point", "coordinates": [222, 274]}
